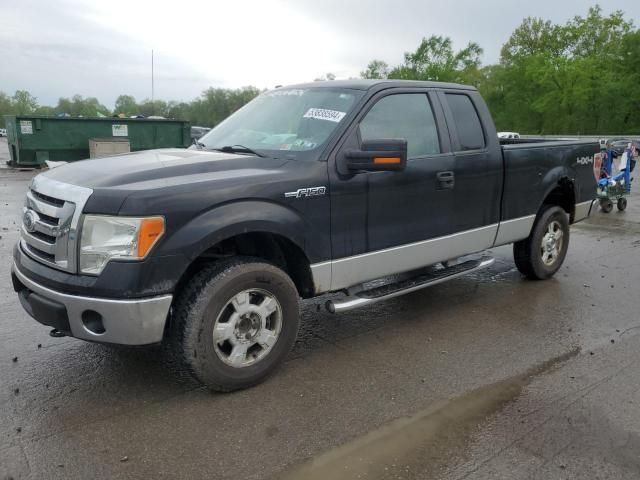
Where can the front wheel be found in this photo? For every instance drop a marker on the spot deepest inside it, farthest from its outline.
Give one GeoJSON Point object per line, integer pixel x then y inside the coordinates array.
{"type": "Point", "coordinates": [235, 322]}
{"type": "Point", "coordinates": [540, 255]}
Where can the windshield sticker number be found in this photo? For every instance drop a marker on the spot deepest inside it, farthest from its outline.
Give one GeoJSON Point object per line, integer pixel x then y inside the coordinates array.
{"type": "Point", "coordinates": [296, 92]}
{"type": "Point", "coordinates": [324, 114]}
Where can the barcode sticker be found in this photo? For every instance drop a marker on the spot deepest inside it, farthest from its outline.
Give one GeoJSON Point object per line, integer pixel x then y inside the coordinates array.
{"type": "Point", "coordinates": [324, 114]}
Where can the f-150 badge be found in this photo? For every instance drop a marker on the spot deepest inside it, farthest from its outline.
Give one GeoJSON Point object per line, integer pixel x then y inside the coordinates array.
{"type": "Point", "coordinates": [306, 192]}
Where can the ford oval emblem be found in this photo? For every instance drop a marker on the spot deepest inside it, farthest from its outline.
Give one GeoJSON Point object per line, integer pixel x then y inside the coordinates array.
{"type": "Point", "coordinates": [29, 220]}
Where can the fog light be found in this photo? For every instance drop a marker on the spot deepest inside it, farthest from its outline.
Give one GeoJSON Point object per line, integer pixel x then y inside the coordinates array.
{"type": "Point", "coordinates": [92, 321]}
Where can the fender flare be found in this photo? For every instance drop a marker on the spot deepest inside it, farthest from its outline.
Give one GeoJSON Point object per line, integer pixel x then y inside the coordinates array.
{"type": "Point", "coordinates": [231, 219]}
{"type": "Point", "coordinates": [555, 178]}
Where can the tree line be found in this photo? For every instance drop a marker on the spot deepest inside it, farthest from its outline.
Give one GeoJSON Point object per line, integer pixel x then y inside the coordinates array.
{"type": "Point", "coordinates": [209, 109]}
{"type": "Point", "coordinates": [580, 77]}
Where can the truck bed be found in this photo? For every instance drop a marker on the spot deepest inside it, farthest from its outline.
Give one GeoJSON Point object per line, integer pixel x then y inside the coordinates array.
{"type": "Point", "coordinates": [534, 166]}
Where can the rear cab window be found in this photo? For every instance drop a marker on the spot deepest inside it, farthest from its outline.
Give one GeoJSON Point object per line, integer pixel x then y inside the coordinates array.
{"type": "Point", "coordinates": [467, 122]}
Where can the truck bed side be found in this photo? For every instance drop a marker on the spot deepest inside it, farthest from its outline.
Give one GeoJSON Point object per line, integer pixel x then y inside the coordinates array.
{"type": "Point", "coordinates": [538, 170]}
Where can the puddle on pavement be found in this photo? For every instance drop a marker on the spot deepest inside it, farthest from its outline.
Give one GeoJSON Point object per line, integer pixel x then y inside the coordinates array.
{"type": "Point", "coordinates": [416, 446]}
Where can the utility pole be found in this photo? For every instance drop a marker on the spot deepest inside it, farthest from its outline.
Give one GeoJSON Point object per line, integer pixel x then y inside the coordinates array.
{"type": "Point", "coordinates": [153, 105]}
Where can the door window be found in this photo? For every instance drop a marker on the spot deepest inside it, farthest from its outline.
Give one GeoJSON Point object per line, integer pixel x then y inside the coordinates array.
{"type": "Point", "coordinates": [407, 116]}
{"type": "Point", "coordinates": [467, 122]}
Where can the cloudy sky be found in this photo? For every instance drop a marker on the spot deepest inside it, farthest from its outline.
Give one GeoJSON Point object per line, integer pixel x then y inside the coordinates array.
{"type": "Point", "coordinates": [102, 48]}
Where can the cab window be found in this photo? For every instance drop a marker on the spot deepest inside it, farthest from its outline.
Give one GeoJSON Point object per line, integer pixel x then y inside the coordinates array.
{"type": "Point", "coordinates": [468, 126]}
{"type": "Point", "coordinates": [404, 115]}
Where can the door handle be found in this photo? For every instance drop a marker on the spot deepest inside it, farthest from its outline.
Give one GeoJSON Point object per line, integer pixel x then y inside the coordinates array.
{"type": "Point", "coordinates": [446, 180]}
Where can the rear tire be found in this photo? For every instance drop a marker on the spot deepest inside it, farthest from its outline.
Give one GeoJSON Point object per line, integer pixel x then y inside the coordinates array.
{"type": "Point", "coordinates": [235, 322]}
{"type": "Point", "coordinates": [540, 255]}
{"type": "Point", "coordinates": [622, 204]}
{"type": "Point", "coordinates": [606, 205]}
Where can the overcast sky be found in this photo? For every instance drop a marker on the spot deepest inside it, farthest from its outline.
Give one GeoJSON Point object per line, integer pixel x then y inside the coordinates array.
{"type": "Point", "coordinates": [102, 48]}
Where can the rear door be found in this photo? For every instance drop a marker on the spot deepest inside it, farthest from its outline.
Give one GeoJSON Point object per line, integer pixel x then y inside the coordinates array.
{"type": "Point", "coordinates": [477, 167]}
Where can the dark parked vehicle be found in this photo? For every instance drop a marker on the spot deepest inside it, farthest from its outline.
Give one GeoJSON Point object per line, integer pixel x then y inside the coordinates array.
{"type": "Point", "coordinates": [197, 132]}
{"type": "Point", "coordinates": [619, 145]}
{"type": "Point", "coordinates": [314, 188]}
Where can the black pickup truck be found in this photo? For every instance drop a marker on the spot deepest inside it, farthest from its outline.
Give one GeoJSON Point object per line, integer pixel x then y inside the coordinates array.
{"type": "Point", "coordinates": [369, 188]}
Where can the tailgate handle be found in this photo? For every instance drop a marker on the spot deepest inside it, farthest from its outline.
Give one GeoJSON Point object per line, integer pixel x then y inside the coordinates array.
{"type": "Point", "coordinates": [446, 180]}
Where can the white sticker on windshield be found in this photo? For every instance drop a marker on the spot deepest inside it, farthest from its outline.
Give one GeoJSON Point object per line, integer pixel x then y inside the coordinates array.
{"type": "Point", "coordinates": [324, 114]}
{"type": "Point", "coordinates": [285, 93]}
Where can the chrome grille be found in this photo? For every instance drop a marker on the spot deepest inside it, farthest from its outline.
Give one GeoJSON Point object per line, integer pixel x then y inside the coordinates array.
{"type": "Point", "coordinates": [50, 221]}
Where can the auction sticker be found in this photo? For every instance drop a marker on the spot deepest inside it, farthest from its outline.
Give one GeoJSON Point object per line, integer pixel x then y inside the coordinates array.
{"type": "Point", "coordinates": [26, 127]}
{"type": "Point", "coordinates": [324, 114]}
{"type": "Point", "coordinates": [120, 130]}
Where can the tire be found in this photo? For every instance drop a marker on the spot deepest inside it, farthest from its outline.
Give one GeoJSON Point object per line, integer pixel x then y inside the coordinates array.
{"type": "Point", "coordinates": [540, 255]}
{"type": "Point", "coordinates": [622, 204]}
{"type": "Point", "coordinates": [253, 335]}
{"type": "Point", "coordinates": [606, 205]}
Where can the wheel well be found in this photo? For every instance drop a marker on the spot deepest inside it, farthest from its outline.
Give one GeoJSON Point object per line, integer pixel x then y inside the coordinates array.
{"type": "Point", "coordinates": [273, 248]}
{"type": "Point", "coordinates": [563, 196]}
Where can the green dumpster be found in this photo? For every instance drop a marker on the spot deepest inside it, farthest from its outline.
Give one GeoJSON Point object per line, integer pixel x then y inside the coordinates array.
{"type": "Point", "coordinates": [34, 139]}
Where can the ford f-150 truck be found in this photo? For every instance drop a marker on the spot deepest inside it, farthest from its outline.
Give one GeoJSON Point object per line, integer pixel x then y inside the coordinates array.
{"type": "Point", "coordinates": [368, 188]}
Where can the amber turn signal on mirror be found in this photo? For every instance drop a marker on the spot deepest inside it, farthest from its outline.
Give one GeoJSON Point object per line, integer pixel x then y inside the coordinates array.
{"type": "Point", "coordinates": [386, 160]}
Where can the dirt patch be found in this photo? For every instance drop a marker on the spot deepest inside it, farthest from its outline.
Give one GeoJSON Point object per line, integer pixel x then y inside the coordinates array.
{"type": "Point", "coordinates": [416, 446]}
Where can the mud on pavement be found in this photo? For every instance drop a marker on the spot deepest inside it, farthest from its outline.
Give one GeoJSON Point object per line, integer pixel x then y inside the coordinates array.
{"type": "Point", "coordinates": [421, 442]}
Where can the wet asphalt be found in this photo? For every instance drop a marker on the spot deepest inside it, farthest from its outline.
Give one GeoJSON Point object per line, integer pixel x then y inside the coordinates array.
{"type": "Point", "coordinates": [486, 377]}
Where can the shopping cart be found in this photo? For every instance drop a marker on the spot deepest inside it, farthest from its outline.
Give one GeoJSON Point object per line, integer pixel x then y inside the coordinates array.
{"type": "Point", "coordinates": [615, 180]}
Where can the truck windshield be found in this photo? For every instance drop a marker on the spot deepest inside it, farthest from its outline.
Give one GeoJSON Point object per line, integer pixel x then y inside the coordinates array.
{"type": "Point", "coordinates": [295, 122]}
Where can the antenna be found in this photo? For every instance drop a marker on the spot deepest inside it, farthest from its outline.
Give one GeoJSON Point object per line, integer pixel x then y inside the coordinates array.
{"type": "Point", "coordinates": [153, 105]}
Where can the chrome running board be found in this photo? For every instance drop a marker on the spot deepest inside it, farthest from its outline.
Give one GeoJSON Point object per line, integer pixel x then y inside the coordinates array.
{"type": "Point", "coordinates": [418, 282]}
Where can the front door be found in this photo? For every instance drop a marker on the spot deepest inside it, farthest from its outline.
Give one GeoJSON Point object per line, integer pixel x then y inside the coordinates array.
{"type": "Point", "coordinates": [383, 222]}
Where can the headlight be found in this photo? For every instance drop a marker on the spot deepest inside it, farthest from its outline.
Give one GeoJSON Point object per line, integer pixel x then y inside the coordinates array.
{"type": "Point", "coordinates": [104, 238]}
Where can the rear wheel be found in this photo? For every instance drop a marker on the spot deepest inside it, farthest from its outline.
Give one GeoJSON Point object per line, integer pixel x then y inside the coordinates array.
{"type": "Point", "coordinates": [622, 204]}
{"type": "Point", "coordinates": [235, 322]}
{"type": "Point", "coordinates": [606, 205]}
{"type": "Point", "coordinates": [539, 256]}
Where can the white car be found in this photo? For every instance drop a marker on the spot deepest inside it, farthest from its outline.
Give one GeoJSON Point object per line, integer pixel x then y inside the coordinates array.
{"type": "Point", "coordinates": [3, 132]}
{"type": "Point", "coordinates": [508, 135]}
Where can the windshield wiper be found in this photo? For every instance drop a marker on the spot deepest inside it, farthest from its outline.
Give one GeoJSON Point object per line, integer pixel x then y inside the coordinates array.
{"type": "Point", "coordinates": [238, 149]}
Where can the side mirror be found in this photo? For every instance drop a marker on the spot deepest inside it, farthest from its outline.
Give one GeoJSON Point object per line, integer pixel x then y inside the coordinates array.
{"type": "Point", "coordinates": [378, 155]}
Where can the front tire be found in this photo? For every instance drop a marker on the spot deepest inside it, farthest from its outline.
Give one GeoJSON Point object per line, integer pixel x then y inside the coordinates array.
{"type": "Point", "coordinates": [540, 255]}
{"type": "Point", "coordinates": [235, 322]}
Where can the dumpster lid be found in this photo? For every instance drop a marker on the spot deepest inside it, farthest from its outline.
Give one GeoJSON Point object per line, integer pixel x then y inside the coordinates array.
{"type": "Point", "coordinates": [109, 139]}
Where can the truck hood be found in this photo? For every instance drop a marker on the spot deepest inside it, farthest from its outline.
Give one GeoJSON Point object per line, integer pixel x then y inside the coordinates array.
{"type": "Point", "coordinates": [152, 169]}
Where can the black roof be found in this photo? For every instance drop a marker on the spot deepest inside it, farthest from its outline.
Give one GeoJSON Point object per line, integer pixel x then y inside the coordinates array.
{"type": "Point", "coordinates": [362, 84]}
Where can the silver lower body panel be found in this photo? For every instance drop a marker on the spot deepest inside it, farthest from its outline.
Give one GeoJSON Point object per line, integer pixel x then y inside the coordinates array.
{"type": "Point", "coordinates": [126, 322]}
{"type": "Point", "coordinates": [583, 210]}
{"type": "Point", "coordinates": [349, 271]}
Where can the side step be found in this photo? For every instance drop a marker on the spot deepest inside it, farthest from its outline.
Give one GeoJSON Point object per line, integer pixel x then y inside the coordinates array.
{"type": "Point", "coordinates": [423, 280]}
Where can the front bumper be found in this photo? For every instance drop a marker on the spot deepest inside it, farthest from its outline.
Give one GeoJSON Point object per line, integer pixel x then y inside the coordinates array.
{"type": "Point", "coordinates": [128, 322]}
